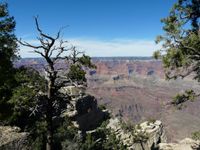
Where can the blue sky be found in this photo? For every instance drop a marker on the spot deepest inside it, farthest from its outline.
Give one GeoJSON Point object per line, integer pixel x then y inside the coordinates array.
{"type": "Point", "coordinates": [99, 27]}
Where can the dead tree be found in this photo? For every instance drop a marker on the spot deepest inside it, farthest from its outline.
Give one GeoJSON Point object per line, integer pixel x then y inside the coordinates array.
{"type": "Point", "coordinates": [52, 49]}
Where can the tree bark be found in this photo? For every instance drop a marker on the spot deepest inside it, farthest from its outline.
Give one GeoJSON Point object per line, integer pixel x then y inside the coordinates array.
{"type": "Point", "coordinates": [49, 143]}
{"type": "Point", "coordinates": [49, 115]}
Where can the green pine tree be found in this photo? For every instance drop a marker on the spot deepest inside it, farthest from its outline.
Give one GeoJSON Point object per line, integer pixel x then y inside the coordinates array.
{"type": "Point", "coordinates": [180, 50]}
{"type": "Point", "coordinates": [8, 52]}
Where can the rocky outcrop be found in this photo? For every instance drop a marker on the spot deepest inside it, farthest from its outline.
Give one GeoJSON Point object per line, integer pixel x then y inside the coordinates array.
{"type": "Point", "coordinates": [12, 139]}
{"type": "Point", "coordinates": [185, 144]}
{"type": "Point", "coordinates": [149, 136]}
{"type": "Point", "coordinates": [156, 133]}
{"type": "Point", "coordinates": [83, 109]}
{"type": "Point", "coordinates": [153, 133]}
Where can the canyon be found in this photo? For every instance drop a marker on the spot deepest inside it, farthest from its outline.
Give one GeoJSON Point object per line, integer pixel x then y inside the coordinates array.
{"type": "Point", "coordinates": [135, 89]}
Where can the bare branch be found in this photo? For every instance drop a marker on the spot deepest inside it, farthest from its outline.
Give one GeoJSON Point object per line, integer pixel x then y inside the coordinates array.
{"type": "Point", "coordinates": [39, 53]}
{"type": "Point", "coordinates": [74, 55]}
{"type": "Point", "coordinates": [29, 45]}
{"type": "Point", "coordinates": [40, 31]}
{"type": "Point", "coordinates": [181, 72]}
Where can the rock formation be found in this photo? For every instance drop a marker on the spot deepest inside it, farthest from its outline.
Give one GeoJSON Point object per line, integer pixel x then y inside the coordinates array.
{"type": "Point", "coordinates": [83, 109]}
{"type": "Point", "coordinates": [87, 117]}
{"type": "Point", "coordinates": [12, 139]}
{"type": "Point", "coordinates": [154, 132]}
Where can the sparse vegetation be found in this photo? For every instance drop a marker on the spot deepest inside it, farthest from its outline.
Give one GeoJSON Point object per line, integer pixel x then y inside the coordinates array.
{"type": "Point", "coordinates": [151, 120]}
{"type": "Point", "coordinates": [138, 135]}
{"type": "Point", "coordinates": [179, 99]}
{"type": "Point", "coordinates": [102, 139]}
{"type": "Point", "coordinates": [127, 126]}
{"type": "Point", "coordinates": [196, 135]}
{"type": "Point", "coordinates": [102, 107]}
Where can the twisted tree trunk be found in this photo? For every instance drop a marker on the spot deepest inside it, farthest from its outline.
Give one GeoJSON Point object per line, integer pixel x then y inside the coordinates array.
{"type": "Point", "coordinates": [49, 113]}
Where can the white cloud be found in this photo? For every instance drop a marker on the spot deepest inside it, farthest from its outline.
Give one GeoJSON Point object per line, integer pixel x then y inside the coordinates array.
{"type": "Point", "coordinates": [115, 47]}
